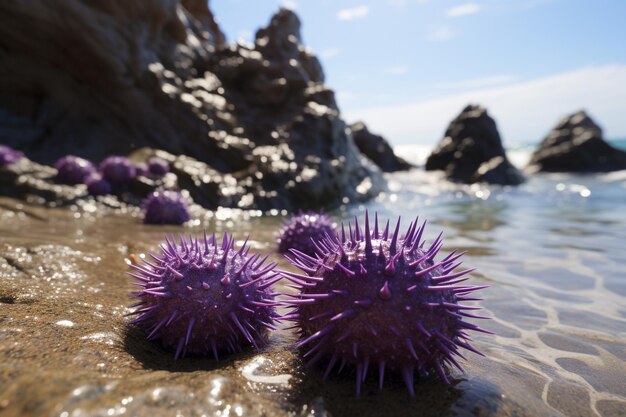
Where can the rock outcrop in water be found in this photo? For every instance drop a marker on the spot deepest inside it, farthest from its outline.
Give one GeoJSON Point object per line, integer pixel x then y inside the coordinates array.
{"type": "Point", "coordinates": [376, 148]}
{"type": "Point", "coordinates": [471, 151]}
{"type": "Point", "coordinates": [576, 145]}
{"type": "Point", "coordinates": [109, 77]}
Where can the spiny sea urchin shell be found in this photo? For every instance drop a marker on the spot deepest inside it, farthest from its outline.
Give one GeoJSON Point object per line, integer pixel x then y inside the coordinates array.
{"type": "Point", "coordinates": [118, 169]}
{"type": "Point", "coordinates": [9, 155]}
{"type": "Point", "coordinates": [372, 299]}
{"type": "Point", "coordinates": [141, 169]}
{"type": "Point", "coordinates": [96, 185]}
{"type": "Point", "coordinates": [301, 230]}
{"type": "Point", "coordinates": [73, 169]}
{"type": "Point", "coordinates": [165, 207]}
{"type": "Point", "coordinates": [158, 166]}
{"type": "Point", "coordinates": [200, 296]}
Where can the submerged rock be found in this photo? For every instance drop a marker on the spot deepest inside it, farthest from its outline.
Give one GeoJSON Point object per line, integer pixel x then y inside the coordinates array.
{"type": "Point", "coordinates": [258, 114]}
{"type": "Point", "coordinates": [376, 148]}
{"type": "Point", "coordinates": [575, 144]}
{"type": "Point", "coordinates": [471, 151]}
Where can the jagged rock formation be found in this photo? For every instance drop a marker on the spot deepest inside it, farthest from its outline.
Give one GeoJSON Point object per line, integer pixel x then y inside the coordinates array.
{"type": "Point", "coordinates": [110, 76]}
{"type": "Point", "coordinates": [576, 145]}
{"type": "Point", "coordinates": [471, 151]}
{"type": "Point", "coordinates": [376, 148]}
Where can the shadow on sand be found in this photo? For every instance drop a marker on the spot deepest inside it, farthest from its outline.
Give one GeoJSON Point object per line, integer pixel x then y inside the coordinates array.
{"type": "Point", "coordinates": [152, 356]}
{"type": "Point", "coordinates": [312, 396]}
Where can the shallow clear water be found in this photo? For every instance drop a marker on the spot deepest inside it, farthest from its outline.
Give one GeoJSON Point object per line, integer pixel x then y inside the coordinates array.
{"type": "Point", "coordinates": [552, 251]}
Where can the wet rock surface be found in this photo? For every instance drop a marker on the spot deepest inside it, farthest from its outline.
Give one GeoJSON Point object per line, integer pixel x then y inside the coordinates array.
{"type": "Point", "coordinates": [287, 185]}
{"type": "Point", "coordinates": [576, 145]}
{"type": "Point", "coordinates": [471, 151]}
{"type": "Point", "coordinates": [376, 148]}
{"type": "Point", "coordinates": [34, 182]}
{"type": "Point", "coordinates": [77, 78]}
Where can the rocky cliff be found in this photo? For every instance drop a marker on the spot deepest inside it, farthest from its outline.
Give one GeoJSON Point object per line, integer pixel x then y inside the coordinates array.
{"type": "Point", "coordinates": [101, 77]}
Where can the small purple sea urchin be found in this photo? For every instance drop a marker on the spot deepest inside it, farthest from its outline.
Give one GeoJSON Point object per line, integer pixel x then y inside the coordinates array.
{"type": "Point", "coordinates": [165, 207]}
{"type": "Point", "coordinates": [158, 166]}
{"type": "Point", "coordinates": [73, 169]}
{"type": "Point", "coordinates": [9, 155]}
{"type": "Point", "coordinates": [199, 296]}
{"type": "Point", "coordinates": [96, 185]}
{"type": "Point", "coordinates": [301, 230]}
{"type": "Point", "coordinates": [118, 169]}
{"type": "Point", "coordinates": [374, 299]}
{"type": "Point", "coordinates": [141, 170]}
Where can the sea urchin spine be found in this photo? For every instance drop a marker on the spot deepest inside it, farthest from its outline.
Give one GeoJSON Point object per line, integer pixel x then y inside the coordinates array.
{"type": "Point", "coordinates": [374, 299]}
{"type": "Point", "coordinates": [200, 296]}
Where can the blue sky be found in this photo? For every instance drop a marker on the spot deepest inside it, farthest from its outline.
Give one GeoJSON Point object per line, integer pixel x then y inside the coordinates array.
{"type": "Point", "coordinates": [407, 67]}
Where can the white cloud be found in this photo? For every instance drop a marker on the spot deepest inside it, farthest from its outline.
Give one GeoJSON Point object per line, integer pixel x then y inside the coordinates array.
{"type": "Point", "coordinates": [525, 111]}
{"type": "Point", "coordinates": [442, 33]}
{"type": "Point", "coordinates": [353, 13]}
{"type": "Point", "coordinates": [478, 82]}
{"type": "Point", "coordinates": [329, 53]}
{"type": "Point", "coordinates": [290, 4]}
{"type": "Point", "coordinates": [398, 70]}
{"type": "Point", "coordinates": [463, 10]}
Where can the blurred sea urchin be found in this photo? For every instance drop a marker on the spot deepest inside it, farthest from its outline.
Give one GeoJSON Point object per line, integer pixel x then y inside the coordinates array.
{"type": "Point", "coordinates": [302, 230]}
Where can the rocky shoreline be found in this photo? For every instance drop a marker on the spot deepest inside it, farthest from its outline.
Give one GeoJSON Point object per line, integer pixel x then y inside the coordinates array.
{"type": "Point", "coordinates": [68, 346]}
{"type": "Point", "coordinates": [252, 126]}
{"type": "Point", "coordinates": [247, 126]}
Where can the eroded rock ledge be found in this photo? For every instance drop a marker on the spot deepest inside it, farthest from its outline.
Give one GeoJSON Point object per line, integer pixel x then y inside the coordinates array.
{"type": "Point", "coordinates": [109, 77]}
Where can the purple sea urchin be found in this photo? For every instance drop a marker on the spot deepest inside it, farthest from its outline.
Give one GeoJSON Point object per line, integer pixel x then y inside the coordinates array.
{"type": "Point", "coordinates": [142, 170]}
{"type": "Point", "coordinates": [118, 169]}
{"type": "Point", "coordinates": [199, 296]}
{"type": "Point", "coordinates": [9, 155]}
{"type": "Point", "coordinates": [374, 299]}
{"type": "Point", "coordinates": [158, 166]}
{"type": "Point", "coordinates": [73, 169]}
{"type": "Point", "coordinates": [165, 207]}
{"type": "Point", "coordinates": [96, 185]}
{"type": "Point", "coordinates": [299, 231]}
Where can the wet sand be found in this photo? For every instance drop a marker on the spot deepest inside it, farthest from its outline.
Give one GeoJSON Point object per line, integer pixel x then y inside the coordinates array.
{"type": "Point", "coordinates": [66, 350]}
